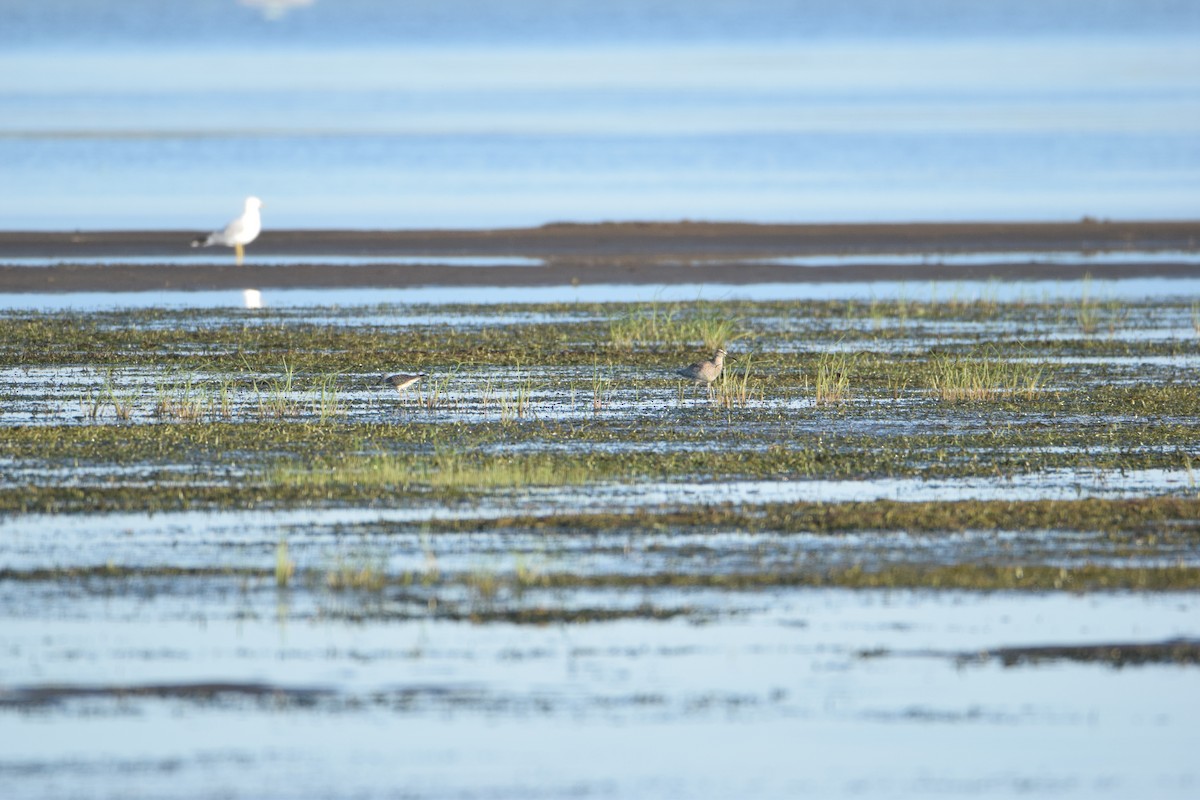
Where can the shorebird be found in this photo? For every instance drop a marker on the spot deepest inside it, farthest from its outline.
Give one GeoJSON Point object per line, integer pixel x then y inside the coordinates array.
{"type": "Point", "coordinates": [705, 372]}
{"type": "Point", "coordinates": [241, 231]}
{"type": "Point", "coordinates": [403, 380]}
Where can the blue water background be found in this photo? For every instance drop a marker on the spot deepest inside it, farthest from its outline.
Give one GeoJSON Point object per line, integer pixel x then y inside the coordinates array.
{"type": "Point", "coordinates": [381, 114]}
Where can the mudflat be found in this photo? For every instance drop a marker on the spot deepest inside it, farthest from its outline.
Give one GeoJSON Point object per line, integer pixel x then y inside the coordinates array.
{"type": "Point", "coordinates": [620, 252]}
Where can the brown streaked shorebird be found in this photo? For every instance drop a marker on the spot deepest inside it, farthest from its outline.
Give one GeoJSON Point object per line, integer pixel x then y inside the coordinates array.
{"type": "Point", "coordinates": [403, 380]}
{"type": "Point", "coordinates": [705, 372]}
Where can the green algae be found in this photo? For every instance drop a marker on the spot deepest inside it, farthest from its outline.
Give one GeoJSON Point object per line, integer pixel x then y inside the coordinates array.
{"type": "Point", "coordinates": [763, 442]}
{"type": "Point", "coordinates": [285, 419]}
{"type": "Point", "coordinates": [445, 470]}
{"type": "Point", "coordinates": [282, 463]}
{"type": "Point", "coordinates": [1114, 654]}
{"type": "Point", "coordinates": [1123, 520]}
{"type": "Point", "coordinates": [941, 577]}
{"type": "Point", "coordinates": [964, 577]}
{"type": "Point", "coordinates": [657, 334]}
{"type": "Point", "coordinates": [122, 573]}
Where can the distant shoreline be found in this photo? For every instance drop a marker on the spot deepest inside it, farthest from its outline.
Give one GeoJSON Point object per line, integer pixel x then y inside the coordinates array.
{"type": "Point", "coordinates": [603, 253]}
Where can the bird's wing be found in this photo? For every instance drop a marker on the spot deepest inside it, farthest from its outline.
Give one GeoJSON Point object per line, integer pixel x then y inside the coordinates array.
{"type": "Point", "coordinates": [234, 229]}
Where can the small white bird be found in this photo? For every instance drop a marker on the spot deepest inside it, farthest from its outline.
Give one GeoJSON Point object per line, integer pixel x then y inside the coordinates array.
{"type": "Point", "coordinates": [403, 380]}
{"type": "Point", "coordinates": [241, 231]}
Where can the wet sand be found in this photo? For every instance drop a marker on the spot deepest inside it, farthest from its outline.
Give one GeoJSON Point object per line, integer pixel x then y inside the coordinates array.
{"type": "Point", "coordinates": [606, 253]}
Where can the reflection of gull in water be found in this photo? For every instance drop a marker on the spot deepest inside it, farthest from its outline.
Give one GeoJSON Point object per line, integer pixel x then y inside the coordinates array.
{"type": "Point", "coordinates": [241, 231]}
{"type": "Point", "coordinates": [276, 9]}
{"type": "Point", "coordinates": [252, 298]}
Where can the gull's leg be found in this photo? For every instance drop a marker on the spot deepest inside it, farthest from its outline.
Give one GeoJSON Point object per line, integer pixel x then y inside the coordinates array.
{"type": "Point", "coordinates": [237, 248]}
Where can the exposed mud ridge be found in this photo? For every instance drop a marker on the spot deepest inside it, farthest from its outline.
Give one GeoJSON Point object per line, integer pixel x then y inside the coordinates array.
{"type": "Point", "coordinates": [628, 253]}
{"type": "Point", "coordinates": [483, 614]}
{"type": "Point", "coordinates": [49, 694]}
{"type": "Point", "coordinates": [1174, 651]}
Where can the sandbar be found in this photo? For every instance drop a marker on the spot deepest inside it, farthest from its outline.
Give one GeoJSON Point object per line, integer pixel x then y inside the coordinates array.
{"type": "Point", "coordinates": [600, 253]}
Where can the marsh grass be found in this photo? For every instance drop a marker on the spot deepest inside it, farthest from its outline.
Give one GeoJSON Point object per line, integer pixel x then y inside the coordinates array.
{"type": "Point", "coordinates": [446, 470]}
{"type": "Point", "coordinates": [430, 572]}
{"type": "Point", "coordinates": [1191, 474]}
{"type": "Point", "coordinates": [880, 312]}
{"type": "Point", "coordinates": [487, 394]}
{"type": "Point", "coordinates": [711, 326]}
{"type": "Point", "coordinates": [1117, 312]}
{"type": "Point", "coordinates": [285, 568]}
{"type": "Point", "coordinates": [897, 384]}
{"type": "Point", "coordinates": [484, 584]}
{"type": "Point", "coordinates": [601, 387]}
{"type": "Point", "coordinates": [122, 403]}
{"type": "Point", "coordinates": [649, 323]}
{"type": "Point", "coordinates": [958, 379]}
{"type": "Point", "coordinates": [91, 402]}
{"type": "Point", "coordinates": [360, 573]}
{"type": "Point", "coordinates": [488, 584]}
{"type": "Point", "coordinates": [875, 312]}
{"type": "Point", "coordinates": [277, 401]}
{"type": "Point", "coordinates": [181, 399]}
{"type": "Point", "coordinates": [528, 574]}
{"type": "Point", "coordinates": [831, 377]}
{"type": "Point", "coordinates": [185, 398]}
{"type": "Point", "coordinates": [225, 396]}
{"type": "Point", "coordinates": [433, 393]}
{"type": "Point", "coordinates": [735, 387]}
{"type": "Point", "coordinates": [326, 403]}
{"type": "Point", "coordinates": [1087, 312]}
{"type": "Point", "coordinates": [516, 402]}
{"type": "Point", "coordinates": [122, 407]}
{"type": "Point", "coordinates": [452, 470]}
{"type": "Point", "coordinates": [675, 325]}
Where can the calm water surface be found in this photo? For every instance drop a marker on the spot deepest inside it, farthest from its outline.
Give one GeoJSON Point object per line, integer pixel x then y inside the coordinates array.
{"type": "Point", "coordinates": [367, 113]}
{"type": "Point", "coordinates": [370, 113]}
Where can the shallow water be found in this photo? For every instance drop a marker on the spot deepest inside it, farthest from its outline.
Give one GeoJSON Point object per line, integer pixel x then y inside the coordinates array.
{"type": "Point", "coordinates": [154, 655]}
{"type": "Point", "coordinates": [1047, 258]}
{"type": "Point", "coordinates": [957, 291]}
{"type": "Point", "coordinates": [630, 709]}
{"type": "Point", "coordinates": [360, 114]}
{"type": "Point", "coordinates": [320, 541]}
